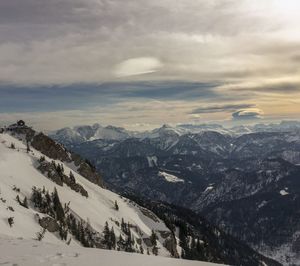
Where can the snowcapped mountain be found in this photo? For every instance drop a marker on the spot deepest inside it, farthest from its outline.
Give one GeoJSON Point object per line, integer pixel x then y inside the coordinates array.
{"type": "Point", "coordinates": [253, 172]}
{"type": "Point", "coordinates": [52, 195]}
{"type": "Point", "coordinates": [163, 131]}
{"type": "Point", "coordinates": [197, 128]}
{"type": "Point", "coordinates": [284, 126]}
{"type": "Point", "coordinates": [79, 134]}
{"type": "Point", "coordinates": [111, 132]}
{"type": "Point", "coordinates": [165, 135]}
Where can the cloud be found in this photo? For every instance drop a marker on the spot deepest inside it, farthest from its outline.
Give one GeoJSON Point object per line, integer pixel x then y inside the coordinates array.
{"type": "Point", "coordinates": [221, 108]}
{"type": "Point", "coordinates": [138, 66]}
{"type": "Point", "coordinates": [76, 41]}
{"type": "Point", "coordinates": [247, 114]}
{"type": "Point", "coordinates": [214, 57]}
{"type": "Point", "coordinates": [57, 97]}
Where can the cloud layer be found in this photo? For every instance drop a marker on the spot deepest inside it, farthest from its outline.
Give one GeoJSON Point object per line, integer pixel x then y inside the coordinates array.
{"type": "Point", "coordinates": [214, 57]}
{"type": "Point", "coordinates": [71, 41]}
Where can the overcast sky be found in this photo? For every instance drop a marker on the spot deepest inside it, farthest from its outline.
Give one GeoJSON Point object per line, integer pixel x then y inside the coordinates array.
{"type": "Point", "coordinates": [140, 63]}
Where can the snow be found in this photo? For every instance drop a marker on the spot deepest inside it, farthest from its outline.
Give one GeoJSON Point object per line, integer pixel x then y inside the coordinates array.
{"type": "Point", "coordinates": [208, 189]}
{"type": "Point", "coordinates": [283, 192]}
{"type": "Point", "coordinates": [33, 253]}
{"type": "Point", "coordinates": [262, 204]}
{"type": "Point", "coordinates": [17, 168]}
{"type": "Point", "coordinates": [152, 161]}
{"type": "Point", "coordinates": [110, 132]}
{"type": "Point", "coordinates": [170, 178]}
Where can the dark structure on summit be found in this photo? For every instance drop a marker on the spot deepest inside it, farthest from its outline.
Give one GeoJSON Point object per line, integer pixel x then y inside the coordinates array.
{"type": "Point", "coordinates": [19, 124]}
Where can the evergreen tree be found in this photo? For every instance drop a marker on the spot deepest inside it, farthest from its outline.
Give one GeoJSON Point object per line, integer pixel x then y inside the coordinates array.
{"type": "Point", "coordinates": [106, 234]}
{"type": "Point", "coordinates": [18, 199]}
{"type": "Point", "coordinates": [62, 168]}
{"type": "Point", "coordinates": [120, 242]}
{"type": "Point", "coordinates": [155, 250]}
{"type": "Point", "coordinates": [112, 238]}
{"type": "Point", "coordinates": [141, 249]}
{"type": "Point", "coordinates": [128, 244]}
{"type": "Point", "coordinates": [153, 238]}
{"type": "Point", "coordinates": [193, 243]}
{"type": "Point", "coordinates": [10, 221]}
{"type": "Point", "coordinates": [27, 146]}
{"type": "Point", "coordinates": [123, 226]}
{"type": "Point", "coordinates": [116, 205]}
{"type": "Point", "coordinates": [40, 235]}
{"type": "Point", "coordinates": [36, 197]}
{"type": "Point", "coordinates": [25, 203]}
{"type": "Point", "coordinates": [72, 177]}
{"type": "Point", "coordinates": [60, 214]}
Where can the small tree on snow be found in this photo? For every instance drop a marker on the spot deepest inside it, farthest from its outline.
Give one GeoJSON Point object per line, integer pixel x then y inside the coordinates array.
{"type": "Point", "coordinates": [27, 147]}
{"type": "Point", "coordinates": [40, 235]}
{"type": "Point", "coordinates": [116, 205]}
{"type": "Point", "coordinates": [25, 203]}
{"type": "Point", "coordinates": [72, 177]}
{"type": "Point", "coordinates": [10, 221]}
{"type": "Point", "coordinates": [153, 238]}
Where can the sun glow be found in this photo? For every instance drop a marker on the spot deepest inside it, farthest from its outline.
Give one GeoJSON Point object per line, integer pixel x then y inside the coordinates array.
{"type": "Point", "coordinates": [287, 6]}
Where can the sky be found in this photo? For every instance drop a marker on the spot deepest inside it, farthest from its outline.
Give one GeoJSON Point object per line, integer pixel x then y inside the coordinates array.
{"type": "Point", "coordinates": [139, 63]}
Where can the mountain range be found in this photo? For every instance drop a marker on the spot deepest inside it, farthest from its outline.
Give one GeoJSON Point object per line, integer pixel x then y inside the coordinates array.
{"type": "Point", "coordinates": [243, 179]}
{"type": "Point", "coordinates": [53, 196]}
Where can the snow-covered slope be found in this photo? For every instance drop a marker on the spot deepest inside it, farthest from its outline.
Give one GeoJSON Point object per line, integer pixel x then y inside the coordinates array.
{"type": "Point", "coordinates": [18, 174]}
{"type": "Point", "coordinates": [31, 253]}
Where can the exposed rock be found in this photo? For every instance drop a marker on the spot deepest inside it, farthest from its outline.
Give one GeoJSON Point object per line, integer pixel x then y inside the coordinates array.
{"type": "Point", "coordinates": [149, 214]}
{"type": "Point", "coordinates": [89, 173]}
{"type": "Point", "coordinates": [147, 241]}
{"type": "Point", "coordinates": [56, 151]}
{"type": "Point", "coordinates": [171, 245]}
{"type": "Point", "coordinates": [50, 170]}
{"type": "Point", "coordinates": [50, 148]}
{"type": "Point", "coordinates": [49, 223]}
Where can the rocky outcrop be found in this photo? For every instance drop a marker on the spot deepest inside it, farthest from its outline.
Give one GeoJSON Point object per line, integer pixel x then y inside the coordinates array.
{"type": "Point", "coordinates": [57, 151]}
{"type": "Point", "coordinates": [171, 245]}
{"type": "Point", "coordinates": [50, 148]}
{"type": "Point", "coordinates": [89, 173]}
{"type": "Point", "coordinates": [56, 174]}
{"type": "Point", "coordinates": [147, 241]}
{"type": "Point", "coordinates": [49, 223]}
{"type": "Point", "coordinates": [49, 170]}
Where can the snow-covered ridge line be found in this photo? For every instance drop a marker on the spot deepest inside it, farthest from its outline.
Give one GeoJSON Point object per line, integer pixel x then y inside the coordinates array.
{"type": "Point", "coordinates": [78, 134]}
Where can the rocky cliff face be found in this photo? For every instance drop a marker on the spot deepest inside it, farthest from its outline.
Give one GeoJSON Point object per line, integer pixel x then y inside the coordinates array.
{"type": "Point", "coordinates": [57, 151]}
